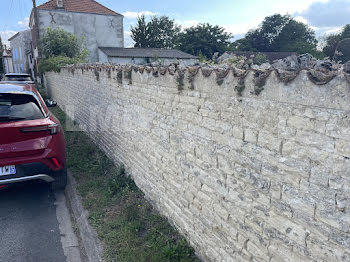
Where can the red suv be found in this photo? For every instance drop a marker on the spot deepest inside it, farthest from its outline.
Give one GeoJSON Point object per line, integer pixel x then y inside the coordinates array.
{"type": "Point", "coordinates": [32, 144]}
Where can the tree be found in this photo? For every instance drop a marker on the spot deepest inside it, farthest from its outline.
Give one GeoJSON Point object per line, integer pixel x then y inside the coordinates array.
{"type": "Point", "coordinates": [60, 48]}
{"type": "Point", "coordinates": [295, 37]}
{"type": "Point", "coordinates": [280, 33]}
{"type": "Point", "coordinates": [263, 38]}
{"type": "Point", "coordinates": [160, 32]}
{"type": "Point", "coordinates": [139, 33]}
{"type": "Point", "coordinates": [204, 39]}
{"type": "Point", "coordinates": [57, 42]}
{"type": "Point", "coordinates": [333, 40]}
{"type": "Point", "coordinates": [242, 44]}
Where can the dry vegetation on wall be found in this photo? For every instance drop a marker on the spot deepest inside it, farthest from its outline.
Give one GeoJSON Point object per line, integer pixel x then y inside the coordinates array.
{"type": "Point", "coordinates": [319, 76]}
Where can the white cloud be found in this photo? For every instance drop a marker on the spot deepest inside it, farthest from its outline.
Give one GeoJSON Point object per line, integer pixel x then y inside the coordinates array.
{"type": "Point", "coordinates": [128, 42]}
{"type": "Point", "coordinates": [238, 30]}
{"type": "Point", "coordinates": [301, 19]}
{"type": "Point", "coordinates": [24, 23]}
{"type": "Point", "coordinates": [188, 23]}
{"type": "Point", "coordinates": [5, 35]}
{"type": "Point", "coordinates": [134, 15]}
{"type": "Point", "coordinates": [295, 6]}
{"type": "Point", "coordinates": [324, 31]}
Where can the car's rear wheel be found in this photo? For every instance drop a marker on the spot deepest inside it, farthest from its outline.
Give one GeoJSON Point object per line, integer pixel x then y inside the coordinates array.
{"type": "Point", "coordinates": [60, 180]}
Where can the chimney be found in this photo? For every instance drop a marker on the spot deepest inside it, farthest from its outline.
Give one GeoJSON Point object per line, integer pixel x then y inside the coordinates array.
{"type": "Point", "coordinates": [60, 3]}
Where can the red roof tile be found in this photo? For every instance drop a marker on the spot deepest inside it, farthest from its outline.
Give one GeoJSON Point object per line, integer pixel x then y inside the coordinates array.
{"type": "Point", "coordinates": [83, 6]}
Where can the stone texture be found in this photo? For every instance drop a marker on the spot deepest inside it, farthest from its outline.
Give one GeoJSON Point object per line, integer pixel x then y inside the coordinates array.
{"type": "Point", "coordinates": [244, 178]}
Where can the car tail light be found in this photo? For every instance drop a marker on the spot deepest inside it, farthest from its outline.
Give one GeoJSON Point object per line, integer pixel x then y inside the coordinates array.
{"type": "Point", "coordinates": [55, 162]}
{"type": "Point", "coordinates": [53, 129]}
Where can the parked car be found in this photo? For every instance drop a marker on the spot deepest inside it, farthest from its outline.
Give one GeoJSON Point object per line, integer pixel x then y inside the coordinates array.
{"type": "Point", "coordinates": [32, 143]}
{"type": "Point", "coordinates": [18, 79]}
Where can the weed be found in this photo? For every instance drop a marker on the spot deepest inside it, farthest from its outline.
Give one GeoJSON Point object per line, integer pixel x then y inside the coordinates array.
{"type": "Point", "coordinates": [220, 76]}
{"type": "Point", "coordinates": [128, 75]}
{"type": "Point", "coordinates": [155, 72]}
{"type": "Point", "coordinates": [180, 81]}
{"type": "Point", "coordinates": [191, 80]}
{"type": "Point", "coordinates": [260, 81]}
{"type": "Point", "coordinates": [97, 74]}
{"type": "Point", "coordinates": [120, 77]}
{"type": "Point", "coordinates": [240, 87]}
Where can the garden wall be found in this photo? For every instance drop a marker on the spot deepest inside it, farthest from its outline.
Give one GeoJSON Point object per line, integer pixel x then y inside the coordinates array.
{"type": "Point", "coordinates": [248, 165]}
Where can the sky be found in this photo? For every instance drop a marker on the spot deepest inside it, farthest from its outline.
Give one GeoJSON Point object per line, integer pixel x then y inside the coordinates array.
{"type": "Point", "coordinates": [237, 17]}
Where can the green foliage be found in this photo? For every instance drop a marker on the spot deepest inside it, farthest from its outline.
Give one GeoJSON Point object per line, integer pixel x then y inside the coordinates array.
{"type": "Point", "coordinates": [279, 33]}
{"type": "Point", "coordinates": [243, 44]}
{"type": "Point", "coordinates": [333, 41]}
{"type": "Point", "coordinates": [240, 86]}
{"type": "Point", "coordinates": [140, 33]}
{"type": "Point", "coordinates": [180, 81]}
{"type": "Point", "coordinates": [60, 48]}
{"type": "Point", "coordinates": [160, 32]}
{"type": "Point", "coordinates": [260, 59]}
{"type": "Point", "coordinates": [57, 42]}
{"type": "Point", "coordinates": [120, 77]}
{"type": "Point", "coordinates": [342, 52]}
{"type": "Point", "coordinates": [205, 40]}
{"type": "Point", "coordinates": [55, 63]}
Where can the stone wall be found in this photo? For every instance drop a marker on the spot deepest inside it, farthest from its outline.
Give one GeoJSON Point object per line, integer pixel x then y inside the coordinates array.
{"type": "Point", "coordinates": [248, 165]}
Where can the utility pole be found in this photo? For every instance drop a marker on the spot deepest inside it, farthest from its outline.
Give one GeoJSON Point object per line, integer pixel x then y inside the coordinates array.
{"type": "Point", "coordinates": [36, 25]}
{"type": "Point", "coordinates": [36, 36]}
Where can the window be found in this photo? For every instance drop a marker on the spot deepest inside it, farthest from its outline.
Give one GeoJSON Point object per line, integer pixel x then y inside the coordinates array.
{"type": "Point", "coordinates": [21, 68]}
{"type": "Point", "coordinates": [15, 107]}
{"type": "Point", "coordinates": [17, 78]}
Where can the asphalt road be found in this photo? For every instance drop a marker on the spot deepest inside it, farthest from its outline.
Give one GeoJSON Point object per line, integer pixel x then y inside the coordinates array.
{"type": "Point", "coordinates": [29, 225]}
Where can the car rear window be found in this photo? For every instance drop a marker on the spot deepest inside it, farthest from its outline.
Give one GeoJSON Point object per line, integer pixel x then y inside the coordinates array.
{"type": "Point", "coordinates": [15, 107]}
{"type": "Point", "coordinates": [17, 78]}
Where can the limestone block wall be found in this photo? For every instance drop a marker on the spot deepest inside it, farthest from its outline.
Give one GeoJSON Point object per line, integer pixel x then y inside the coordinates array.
{"type": "Point", "coordinates": [248, 165]}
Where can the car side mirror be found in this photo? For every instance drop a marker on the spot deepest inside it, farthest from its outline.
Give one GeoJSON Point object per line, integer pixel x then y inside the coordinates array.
{"type": "Point", "coordinates": [50, 103]}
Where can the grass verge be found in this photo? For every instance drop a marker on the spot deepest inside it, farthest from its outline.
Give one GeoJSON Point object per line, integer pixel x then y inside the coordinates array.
{"type": "Point", "coordinates": [127, 224]}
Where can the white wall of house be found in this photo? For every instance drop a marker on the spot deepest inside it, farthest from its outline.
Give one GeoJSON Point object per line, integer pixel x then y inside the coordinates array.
{"type": "Point", "coordinates": [8, 65]}
{"type": "Point", "coordinates": [20, 46]}
{"type": "Point", "coordinates": [96, 30]}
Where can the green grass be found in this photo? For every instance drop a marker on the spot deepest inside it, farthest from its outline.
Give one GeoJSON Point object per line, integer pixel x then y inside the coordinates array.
{"type": "Point", "coordinates": [127, 224]}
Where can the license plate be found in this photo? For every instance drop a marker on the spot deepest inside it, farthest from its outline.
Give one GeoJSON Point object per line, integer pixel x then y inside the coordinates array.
{"type": "Point", "coordinates": [7, 170]}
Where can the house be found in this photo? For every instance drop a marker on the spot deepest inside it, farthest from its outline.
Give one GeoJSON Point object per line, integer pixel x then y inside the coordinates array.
{"type": "Point", "coordinates": [7, 61]}
{"type": "Point", "coordinates": [21, 46]}
{"type": "Point", "coordinates": [94, 23]}
{"type": "Point", "coordinates": [145, 56]}
{"type": "Point", "coordinates": [100, 28]}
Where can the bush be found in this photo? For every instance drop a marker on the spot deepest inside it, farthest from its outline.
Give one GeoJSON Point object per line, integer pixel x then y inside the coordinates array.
{"type": "Point", "coordinates": [57, 42]}
{"type": "Point", "coordinates": [260, 59]}
{"type": "Point", "coordinates": [55, 63]}
{"type": "Point", "coordinates": [60, 48]}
